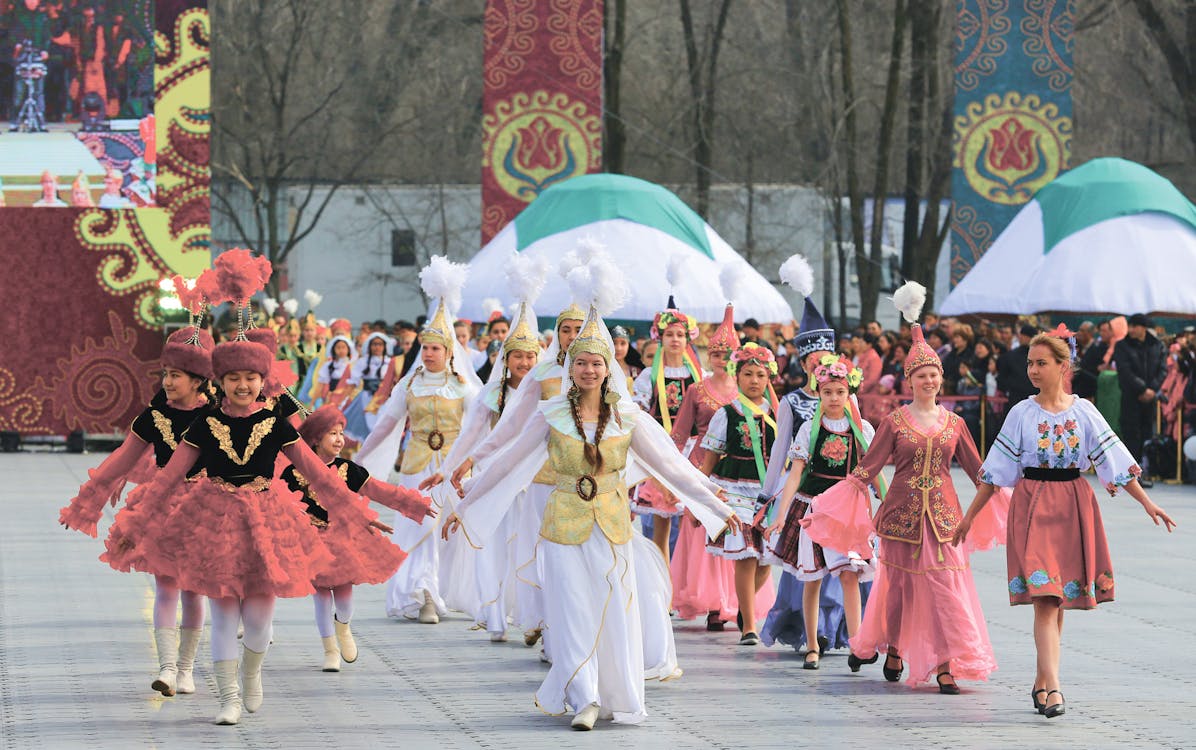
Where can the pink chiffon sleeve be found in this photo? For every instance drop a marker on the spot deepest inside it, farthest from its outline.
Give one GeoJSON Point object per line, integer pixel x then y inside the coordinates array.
{"type": "Point", "coordinates": [104, 484]}
{"type": "Point", "coordinates": [341, 502]}
{"type": "Point", "coordinates": [406, 501]}
{"type": "Point", "coordinates": [989, 527]}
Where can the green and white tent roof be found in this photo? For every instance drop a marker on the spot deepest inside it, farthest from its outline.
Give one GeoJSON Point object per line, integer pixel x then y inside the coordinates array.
{"type": "Point", "coordinates": [642, 226]}
{"type": "Point", "coordinates": [1110, 236]}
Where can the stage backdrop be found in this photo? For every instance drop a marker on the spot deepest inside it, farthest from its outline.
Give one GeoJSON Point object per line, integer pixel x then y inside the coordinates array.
{"type": "Point", "coordinates": [1013, 74]}
{"type": "Point", "coordinates": [80, 286]}
{"type": "Point", "coordinates": [541, 101]}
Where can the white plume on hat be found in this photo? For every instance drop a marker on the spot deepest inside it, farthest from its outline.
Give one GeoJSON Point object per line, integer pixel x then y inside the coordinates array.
{"type": "Point", "coordinates": [444, 279]}
{"type": "Point", "coordinates": [526, 277]}
{"type": "Point", "coordinates": [291, 306]}
{"type": "Point", "coordinates": [313, 298]}
{"type": "Point", "coordinates": [269, 304]}
{"type": "Point", "coordinates": [909, 299]}
{"type": "Point", "coordinates": [796, 273]}
{"type": "Point", "coordinates": [730, 278]}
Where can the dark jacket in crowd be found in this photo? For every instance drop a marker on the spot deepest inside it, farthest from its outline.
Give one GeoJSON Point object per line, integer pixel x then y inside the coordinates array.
{"type": "Point", "coordinates": [1140, 365]}
{"type": "Point", "coordinates": [1088, 370]}
{"type": "Point", "coordinates": [1011, 375]}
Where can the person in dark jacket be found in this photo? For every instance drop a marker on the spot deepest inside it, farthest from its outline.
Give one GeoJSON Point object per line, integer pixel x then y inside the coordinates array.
{"type": "Point", "coordinates": [1011, 369]}
{"type": "Point", "coordinates": [1090, 352]}
{"type": "Point", "coordinates": [1141, 367]}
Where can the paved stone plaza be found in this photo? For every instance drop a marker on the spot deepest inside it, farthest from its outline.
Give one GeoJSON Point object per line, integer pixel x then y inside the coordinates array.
{"type": "Point", "coordinates": [76, 661]}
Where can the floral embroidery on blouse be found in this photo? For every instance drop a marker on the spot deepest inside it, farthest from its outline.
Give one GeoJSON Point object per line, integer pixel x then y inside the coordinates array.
{"type": "Point", "coordinates": [1058, 445]}
{"type": "Point", "coordinates": [834, 450]}
{"type": "Point", "coordinates": [745, 435]}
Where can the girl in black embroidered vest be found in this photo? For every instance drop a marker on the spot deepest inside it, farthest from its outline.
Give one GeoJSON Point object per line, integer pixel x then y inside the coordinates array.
{"type": "Point", "coordinates": [361, 556]}
{"type": "Point", "coordinates": [151, 442]}
{"type": "Point", "coordinates": [826, 449]}
{"type": "Point", "coordinates": [738, 441]}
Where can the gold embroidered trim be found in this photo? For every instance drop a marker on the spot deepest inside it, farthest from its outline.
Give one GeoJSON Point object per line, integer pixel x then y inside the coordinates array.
{"type": "Point", "coordinates": [164, 428]}
{"type": "Point", "coordinates": [223, 436]}
{"type": "Point", "coordinates": [259, 484]}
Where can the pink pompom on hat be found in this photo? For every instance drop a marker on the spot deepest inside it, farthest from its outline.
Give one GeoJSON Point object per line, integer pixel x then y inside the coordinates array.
{"type": "Point", "coordinates": [320, 422]}
{"type": "Point", "coordinates": [239, 275]}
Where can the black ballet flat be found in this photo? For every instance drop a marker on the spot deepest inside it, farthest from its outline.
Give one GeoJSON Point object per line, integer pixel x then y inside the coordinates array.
{"type": "Point", "coordinates": [807, 664]}
{"type": "Point", "coordinates": [1038, 705]}
{"type": "Point", "coordinates": [947, 688]}
{"type": "Point", "coordinates": [713, 623]}
{"type": "Point", "coordinates": [1056, 710]}
{"type": "Point", "coordinates": [855, 662]}
{"type": "Point", "coordinates": [892, 675]}
{"type": "Point", "coordinates": [749, 639]}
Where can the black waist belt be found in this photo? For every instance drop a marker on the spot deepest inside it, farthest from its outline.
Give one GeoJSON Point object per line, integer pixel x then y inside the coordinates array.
{"type": "Point", "coordinates": [1051, 475]}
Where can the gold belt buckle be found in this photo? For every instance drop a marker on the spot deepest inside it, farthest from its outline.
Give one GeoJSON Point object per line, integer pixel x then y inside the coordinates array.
{"type": "Point", "coordinates": [587, 487]}
{"type": "Point", "coordinates": [435, 440]}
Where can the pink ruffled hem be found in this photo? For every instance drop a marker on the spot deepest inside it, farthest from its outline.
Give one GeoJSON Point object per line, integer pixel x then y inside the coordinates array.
{"type": "Point", "coordinates": [221, 543]}
{"type": "Point", "coordinates": [361, 556]}
{"type": "Point", "coordinates": [702, 583]}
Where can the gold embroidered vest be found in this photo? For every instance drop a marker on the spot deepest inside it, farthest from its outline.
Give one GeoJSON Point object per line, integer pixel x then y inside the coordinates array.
{"type": "Point", "coordinates": [581, 498]}
{"type": "Point", "coordinates": [925, 489]}
{"type": "Point", "coordinates": [549, 387]}
{"type": "Point", "coordinates": [435, 424]}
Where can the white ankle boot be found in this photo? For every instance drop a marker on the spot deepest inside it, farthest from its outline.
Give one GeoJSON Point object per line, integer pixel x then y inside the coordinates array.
{"type": "Point", "coordinates": [188, 645]}
{"type": "Point", "coordinates": [230, 692]}
{"type": "Point", "coordinates": [344, 638]}
{"type": "Point", "coordinates": [167, 641]}
{"type": "Point", "coordinates": [251, 678]}
{"type": "Point", "coordinates": [332, 654]}
{"type": "Point", "coordinates": [585, 718]}
{"type": "Point", "coordinates": [427, 613]}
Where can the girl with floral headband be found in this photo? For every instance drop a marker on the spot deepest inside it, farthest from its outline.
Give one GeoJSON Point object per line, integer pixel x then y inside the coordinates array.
{"type": "Point", "coordinates": [737, 445]}
{"type": "Point", "coordinates": [826, 450]}
{"type": "Point", "coordinates": [1058, 557]}
{"type": "Point", "coordinates": [660, 390]}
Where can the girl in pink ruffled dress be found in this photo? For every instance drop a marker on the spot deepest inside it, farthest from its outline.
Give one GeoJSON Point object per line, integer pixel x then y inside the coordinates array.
{"type": "Point", "coordinates": [923, 609]}
{"type": "Point", "coordinates": [153, 437]}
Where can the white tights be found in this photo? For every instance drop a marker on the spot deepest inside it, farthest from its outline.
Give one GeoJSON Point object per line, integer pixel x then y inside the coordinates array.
{"type": "Point", "coordinates": [166, 605]}
{"type": "Point", "coordinates": [256, 612]}
{"type": "Point", "coordinates": [324, 599]}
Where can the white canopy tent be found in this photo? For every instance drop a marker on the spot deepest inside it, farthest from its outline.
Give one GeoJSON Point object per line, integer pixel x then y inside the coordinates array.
{"type": "Point", "coordinates": [1110, 236]}
{"type": "Point", "coordinates": [642, 226]}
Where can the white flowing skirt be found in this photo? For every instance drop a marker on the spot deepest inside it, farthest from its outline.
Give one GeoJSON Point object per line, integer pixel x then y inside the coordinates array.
{"type": "Point", "coordinates": [655, 588]}
{"type": "Point", "coordinates": [591, 614]}
{"type": "Point", "coordinates": [529, 594]}
{"type": "Point", "coordinates": [443, 569]}
{"type": "Point", "coordinates": [494, 573]}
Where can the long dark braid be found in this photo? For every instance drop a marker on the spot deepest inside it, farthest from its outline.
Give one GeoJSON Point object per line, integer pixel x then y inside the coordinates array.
{"type": "Point", "coordinates": [502, 390]}
{"type": "Point", "coordinates": [592, 453]}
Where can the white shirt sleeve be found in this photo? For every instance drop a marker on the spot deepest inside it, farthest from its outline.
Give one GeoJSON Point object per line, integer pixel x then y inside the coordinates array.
{"type": "Point", "coordinates": [656, 452]}
{"type": "Point", "coordinates": [381, 448]}
{"type": "Point", "coordinates": [778, 457]}
{"type": "Point", "coordinates": [489, 494]}
{"type": "Point", "coordinates": [800, 450]}
{"type": "Point", "coordinates": [515, 414]}
{"type": "Point", "coordinates": [641, 389]}
{"type": "Point", "coordinates": [715, 439]}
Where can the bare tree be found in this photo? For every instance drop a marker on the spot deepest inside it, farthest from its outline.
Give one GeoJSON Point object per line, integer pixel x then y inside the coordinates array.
{"type": "Point", "coordinates": [291, 116]}
{"type": "Point", "coordinates": [614, 140]}
{"type": "Point", "coordinates": [703, 71]}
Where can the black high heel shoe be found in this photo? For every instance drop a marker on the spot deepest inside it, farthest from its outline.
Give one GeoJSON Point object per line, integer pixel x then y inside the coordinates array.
{"type": "Point", "coordinates": [1058, 709]}
{"type": "Point", "coordinates": [946, 688]}
{"type": "Point", "coordinates": [1038, 705]}
{"type": "Point", "coordinates": [892, 675]}
{"type": "Point", "coordinates": [714, 623]}
{"type": "Point", "coordinates": [854, 662]}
